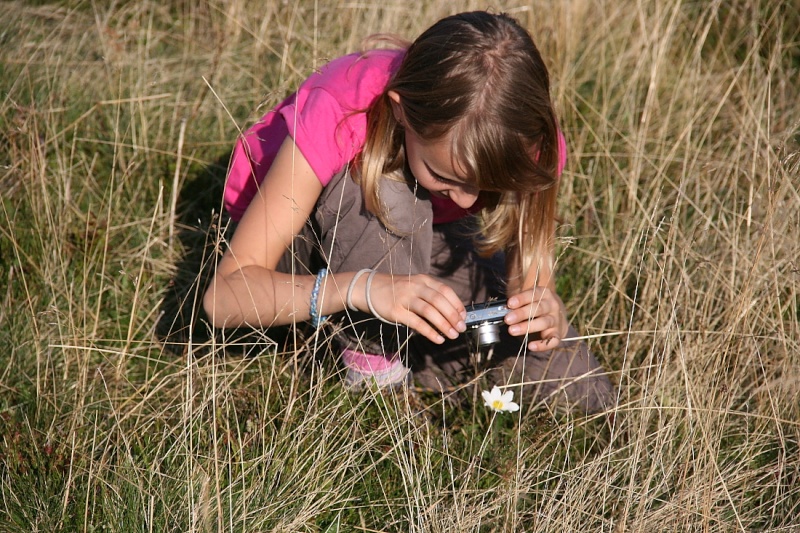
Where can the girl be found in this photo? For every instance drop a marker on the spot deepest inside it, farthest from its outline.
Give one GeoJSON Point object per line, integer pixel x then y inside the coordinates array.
{"type": "Point", "coordinates": [394, 186]}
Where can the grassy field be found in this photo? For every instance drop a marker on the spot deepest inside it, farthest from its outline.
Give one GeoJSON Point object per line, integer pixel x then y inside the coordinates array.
{"type": "Point", "coordinates": [679, 257]}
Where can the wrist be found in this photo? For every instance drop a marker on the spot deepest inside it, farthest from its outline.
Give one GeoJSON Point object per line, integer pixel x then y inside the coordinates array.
{"type": "Point", "coordinates": [368, 297]}
{"type": "Point", "coordinates": [317, 297]}
{"type": "Point", "coordinates": [359, 293]}
{"type": "Point", "coordinates": [356, 291]}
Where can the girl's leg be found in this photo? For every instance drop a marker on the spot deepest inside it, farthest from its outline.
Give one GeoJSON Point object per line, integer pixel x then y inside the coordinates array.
{"type": "Point", "coordinates": [346, 238]}
{"type": "Point", "coordinates": [567, 375]}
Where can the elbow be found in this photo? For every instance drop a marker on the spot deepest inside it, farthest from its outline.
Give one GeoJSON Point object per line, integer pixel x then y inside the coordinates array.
{"type": "Point", "coordinates": [213, 307]}
{"type": "Point", "coordinates": [228, 302]}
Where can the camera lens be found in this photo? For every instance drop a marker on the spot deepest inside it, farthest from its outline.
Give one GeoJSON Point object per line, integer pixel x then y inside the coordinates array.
{"type": "Point", "coordinates": [486, 334]}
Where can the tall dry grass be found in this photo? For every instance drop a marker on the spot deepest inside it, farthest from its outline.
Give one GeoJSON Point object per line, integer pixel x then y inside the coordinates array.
{"type": "Point", "coordinates": [678, 258]}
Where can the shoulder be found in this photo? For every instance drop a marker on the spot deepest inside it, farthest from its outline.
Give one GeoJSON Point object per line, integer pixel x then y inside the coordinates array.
{"type": "Point", "coordinates": [327, 116]}
{"type": "Point", "coordinates": [380, 63]}
{"type": "Point", "coordinates": [356, 79]}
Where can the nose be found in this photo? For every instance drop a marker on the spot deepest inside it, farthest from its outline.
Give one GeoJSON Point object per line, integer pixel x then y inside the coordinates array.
{"type": "Point", "coordinates": [464, 198]}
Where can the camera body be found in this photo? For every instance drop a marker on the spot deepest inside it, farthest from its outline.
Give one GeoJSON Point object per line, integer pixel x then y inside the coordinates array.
{"type": "Point", "coordinates": [484, 321]}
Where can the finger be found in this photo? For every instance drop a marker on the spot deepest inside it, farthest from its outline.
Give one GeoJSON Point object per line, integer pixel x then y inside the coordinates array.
{"type": "Point", "coordinates": [450, 295]}
{"type": "Point", "coordinates": [525, 297]}
{"type": "Point", "coordinates": [448, 304]}
{"type": "Point", "coordinates": [549, 338]}
{"type": "Point", "coordinates": [434, 316]}
{"type": "Point", "coordinates": [537, 325]}
{"type": "Point", "coordinates": [423, 328]}
{"type": "Point", "coordinates": [530, 312]}
{"type": "Point", "coordinates": [544, 345]}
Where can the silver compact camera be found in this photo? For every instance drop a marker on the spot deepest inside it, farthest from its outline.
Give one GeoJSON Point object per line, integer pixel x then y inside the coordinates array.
{"type": "Point", "coordinates": [484, 321]}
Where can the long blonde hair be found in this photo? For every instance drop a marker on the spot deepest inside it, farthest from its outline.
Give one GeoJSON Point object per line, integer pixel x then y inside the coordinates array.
{"type": "Point", "coordinates": [479, 79]}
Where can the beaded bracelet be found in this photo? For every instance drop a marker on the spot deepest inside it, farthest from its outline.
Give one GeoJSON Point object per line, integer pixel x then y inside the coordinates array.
{"type": "Point", "coordinates": [316, 320]}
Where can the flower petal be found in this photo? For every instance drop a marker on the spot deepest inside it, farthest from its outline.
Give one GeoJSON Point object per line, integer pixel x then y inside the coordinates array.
{"type": "Point", "coordinates": [499, 400]}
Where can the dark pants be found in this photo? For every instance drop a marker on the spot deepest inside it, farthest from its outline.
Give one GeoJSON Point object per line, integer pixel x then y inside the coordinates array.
{"type": "Point", "coordinates": [346, 238]}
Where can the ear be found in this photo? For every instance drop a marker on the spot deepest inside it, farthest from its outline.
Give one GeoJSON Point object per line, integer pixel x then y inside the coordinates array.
{"type": "Point", "coordinates": [397, 110]}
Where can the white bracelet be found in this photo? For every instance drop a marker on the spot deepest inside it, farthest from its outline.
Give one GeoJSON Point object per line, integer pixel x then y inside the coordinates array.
{"type": "Point", "coordinates": [353, 286]}
{"type": "Point", "coordinates": [369, 300]}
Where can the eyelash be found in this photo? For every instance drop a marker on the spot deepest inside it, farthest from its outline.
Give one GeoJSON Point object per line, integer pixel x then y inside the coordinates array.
{"type": "Point", "coordinates": [438, 178]}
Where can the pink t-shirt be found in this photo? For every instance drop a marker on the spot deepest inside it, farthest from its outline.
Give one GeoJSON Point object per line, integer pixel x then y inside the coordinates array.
{"type": "Point", "coordinates": [326, 118]}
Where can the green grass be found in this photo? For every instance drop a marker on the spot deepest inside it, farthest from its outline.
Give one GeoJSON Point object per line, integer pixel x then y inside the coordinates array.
{"type": "Point", "coordinates": [121, 411]}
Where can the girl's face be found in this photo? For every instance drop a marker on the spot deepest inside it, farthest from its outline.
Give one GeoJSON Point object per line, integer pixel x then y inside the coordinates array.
{"type": "Point", "coordinates": [432, 166]}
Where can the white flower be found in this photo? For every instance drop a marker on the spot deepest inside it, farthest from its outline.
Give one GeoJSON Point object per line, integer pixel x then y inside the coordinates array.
{"type": "Point", "coordinates": [500, 401]}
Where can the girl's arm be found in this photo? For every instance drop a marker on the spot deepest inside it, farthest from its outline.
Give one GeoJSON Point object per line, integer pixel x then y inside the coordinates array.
{"type": "Point", "coordinates": [536, 308]}
{"type": "Point", "coordinates": [247, 290]}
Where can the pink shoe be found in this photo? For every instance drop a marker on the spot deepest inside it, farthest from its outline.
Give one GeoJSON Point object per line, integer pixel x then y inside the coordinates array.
{"type": "Point", "coordinates": [365, 369]}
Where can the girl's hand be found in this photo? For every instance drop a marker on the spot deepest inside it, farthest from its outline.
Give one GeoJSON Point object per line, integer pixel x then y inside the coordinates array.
{"type": "Point", "coordinates": [537, 310]}
{"type": "Point", "coordinates": [422, 303]}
